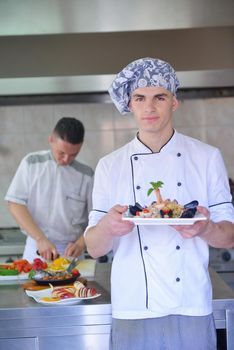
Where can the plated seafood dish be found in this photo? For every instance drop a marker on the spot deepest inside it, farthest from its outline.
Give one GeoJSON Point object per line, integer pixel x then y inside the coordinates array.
{"type": "Point", "coordinates": [166, 209]}
{"type": "Point", "coordinates": [163, 208]}
{"type": "Point", "coordinates": [163, 211]}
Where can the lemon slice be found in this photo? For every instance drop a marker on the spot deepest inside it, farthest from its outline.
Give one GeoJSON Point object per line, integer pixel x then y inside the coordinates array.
{"type": "Point", "coordinates": [50, 299]}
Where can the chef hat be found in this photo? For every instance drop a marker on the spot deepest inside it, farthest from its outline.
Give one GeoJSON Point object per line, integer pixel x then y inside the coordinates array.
{"type": "Point", "coordinates": [138, 74]}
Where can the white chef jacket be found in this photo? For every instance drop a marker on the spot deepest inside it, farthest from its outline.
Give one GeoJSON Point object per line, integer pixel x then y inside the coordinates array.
{"type": "Point", "coordinates": [58, 197]}
{"type": "Point", "coordinates": [156, 272]}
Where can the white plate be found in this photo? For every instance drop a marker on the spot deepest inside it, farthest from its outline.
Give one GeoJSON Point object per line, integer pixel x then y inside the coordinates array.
{"type": "Point", "coordinates": [163, 221]}
{"type": "Point", "coordinates": [21, 276]}
{"type": "Point", "coordinates": [37, 295]}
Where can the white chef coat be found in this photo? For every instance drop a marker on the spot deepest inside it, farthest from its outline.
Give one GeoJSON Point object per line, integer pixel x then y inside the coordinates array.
{"type": "Point", "coordinates": [58, 197]}
{"type": "Point", "coordinates": [155, 272]}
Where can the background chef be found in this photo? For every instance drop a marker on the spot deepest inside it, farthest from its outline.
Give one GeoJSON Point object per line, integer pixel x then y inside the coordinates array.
{"type": "Point", "coordinates": [50, 195]}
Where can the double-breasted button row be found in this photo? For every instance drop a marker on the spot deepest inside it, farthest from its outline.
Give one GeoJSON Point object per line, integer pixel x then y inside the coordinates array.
{"type": "Point", "coordinates": [177, 278]}
{"type": "Point", "coordinates": [146, 247]}
{"type": "Point", "coordinates": [177, 247]}
{"type": "Point", "coordinates": [138, 187]}
{"type": "Point", "coordinates": [178, 155]}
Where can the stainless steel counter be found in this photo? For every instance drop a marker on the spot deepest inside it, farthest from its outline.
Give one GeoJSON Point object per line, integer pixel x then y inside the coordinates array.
{"type": "Point", "coordinates": [26, 325]}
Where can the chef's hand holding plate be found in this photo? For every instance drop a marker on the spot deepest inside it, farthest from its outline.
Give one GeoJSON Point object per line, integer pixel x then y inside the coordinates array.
{"type": "Point", "coordinates": [199, 228]}
{"type": "Point", "coordinates": [47, 249]}
{"type": "Point", "coordinates": [113, 223]}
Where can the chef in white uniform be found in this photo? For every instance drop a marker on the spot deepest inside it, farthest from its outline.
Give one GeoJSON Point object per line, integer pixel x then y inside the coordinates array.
{"type": "Point", "coordinates": [160, 286]}
{"type": "Point", "coordinates": [51, 193]}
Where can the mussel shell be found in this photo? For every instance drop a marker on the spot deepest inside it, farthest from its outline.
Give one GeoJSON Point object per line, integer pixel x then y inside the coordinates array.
{"type": "Point", "coordinates": [191, 205]}
{"type": "Point", "coordinates": [189, 213]}
{"type": "Point", "coordinates": [134, 208]}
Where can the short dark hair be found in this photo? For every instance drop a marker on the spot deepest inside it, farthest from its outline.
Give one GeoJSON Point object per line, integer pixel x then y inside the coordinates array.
{"type": "Point", "coordinates": [70, 130]}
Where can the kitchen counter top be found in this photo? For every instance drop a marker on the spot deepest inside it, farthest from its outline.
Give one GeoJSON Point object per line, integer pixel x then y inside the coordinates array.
{"type": "Point", "coordinates": [87, 322]}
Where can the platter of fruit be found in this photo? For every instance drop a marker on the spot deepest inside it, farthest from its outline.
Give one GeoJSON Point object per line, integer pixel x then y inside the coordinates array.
{"type": "Point", "coordinates": [63, 295]}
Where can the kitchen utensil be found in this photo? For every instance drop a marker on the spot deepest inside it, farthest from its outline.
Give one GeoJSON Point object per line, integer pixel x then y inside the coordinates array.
{"type": "Point", "coordinates": [72, 265]}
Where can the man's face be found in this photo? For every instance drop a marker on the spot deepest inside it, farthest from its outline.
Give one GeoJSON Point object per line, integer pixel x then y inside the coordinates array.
{"type": "Point", "coordinates": [63, 152]}
{"type": "Point", "coordinates": [153, 108]}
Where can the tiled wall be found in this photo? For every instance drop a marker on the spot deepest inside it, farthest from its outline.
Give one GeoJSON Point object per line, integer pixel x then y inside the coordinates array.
{"type": "Point", "coordinates": [25, 129]}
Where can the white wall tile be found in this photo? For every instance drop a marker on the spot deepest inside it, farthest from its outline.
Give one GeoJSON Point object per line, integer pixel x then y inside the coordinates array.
{"type": "Point", "coordinates": [125, 121]}
{"type": "Point", "coordinates": [220, 111]}
{"type": "Point", "coordinates": [37, 119]}
{"type": "Point", "coordinates": [6, 219]}
{"type": "Point", "coordinates": [36, 141]}
{"type": "Point", "coordinates": [74, 110]}
{"type": "Point", "coordinates": [11, 152]}
{"type": "Point", "coordinates": [96, 145]}
{"type": "Point", "coordinates": [121, 137]}
{"type": "Point", "coordinates": [223, 138]}
{"type": "Point", "coordinates": [11, 119]}
{"type": "Point", "coordinates": [190, 113]}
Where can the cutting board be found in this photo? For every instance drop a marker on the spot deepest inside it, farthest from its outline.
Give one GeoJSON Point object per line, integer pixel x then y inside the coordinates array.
{"type": "Point", "coordinates": [87, 268]}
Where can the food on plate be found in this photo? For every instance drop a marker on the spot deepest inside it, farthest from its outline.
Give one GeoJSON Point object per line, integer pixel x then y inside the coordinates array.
{"type": "Point", "coordinates": [63, 292]}
{"type": "Point", "coordinates": [163, 208]}
{"type": "Point", "coordinates": [78, 290]}
{"type": "Point", "coordinates": [156, 188]}
{"type": "Point", "coordinates": [53, 272]}
{"type": "Point", "coordinates": [84, 292]}
{"type": "Point", "coordinates": [60, 263]}
{"type": "Point", "coordinates": [50, 299]}
{"type": "Point", "coordinates": [38, 264]}
{"type": "Point", "coordinates": [22, 265]}
{"type": "Point", "coordinates": [75, 272]}
{"type": "Point", "coordinates": [6, 271]}
{"type": "Point", "coordinates": [15, 268]}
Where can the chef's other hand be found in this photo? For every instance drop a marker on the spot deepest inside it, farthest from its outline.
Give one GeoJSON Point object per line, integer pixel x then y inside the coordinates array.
{"type": "Point", "coordinates": [47, 249]}
{"type": "Point", "coordinates": [198, 228]}
{"type": "Point", "coordinates": [74, 249]}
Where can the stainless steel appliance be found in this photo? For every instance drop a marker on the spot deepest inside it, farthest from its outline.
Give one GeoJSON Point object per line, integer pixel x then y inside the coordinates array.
{"type": "Point", "coordinates": [12, 242]}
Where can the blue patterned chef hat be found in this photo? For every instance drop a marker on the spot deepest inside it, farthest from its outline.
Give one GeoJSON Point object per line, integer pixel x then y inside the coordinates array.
{"type": "Point", "coordinates": [142, 73]}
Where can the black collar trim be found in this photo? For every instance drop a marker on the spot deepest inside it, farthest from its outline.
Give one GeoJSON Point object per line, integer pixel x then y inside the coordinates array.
{"type": "Point", "coordinates": [149, 147]}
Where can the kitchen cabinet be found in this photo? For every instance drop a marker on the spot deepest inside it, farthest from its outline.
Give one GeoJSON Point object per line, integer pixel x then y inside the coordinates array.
{"type": "Point", "coordinates": [88, 339]}
{"type": "Point", "coordinates": [19, 344]}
